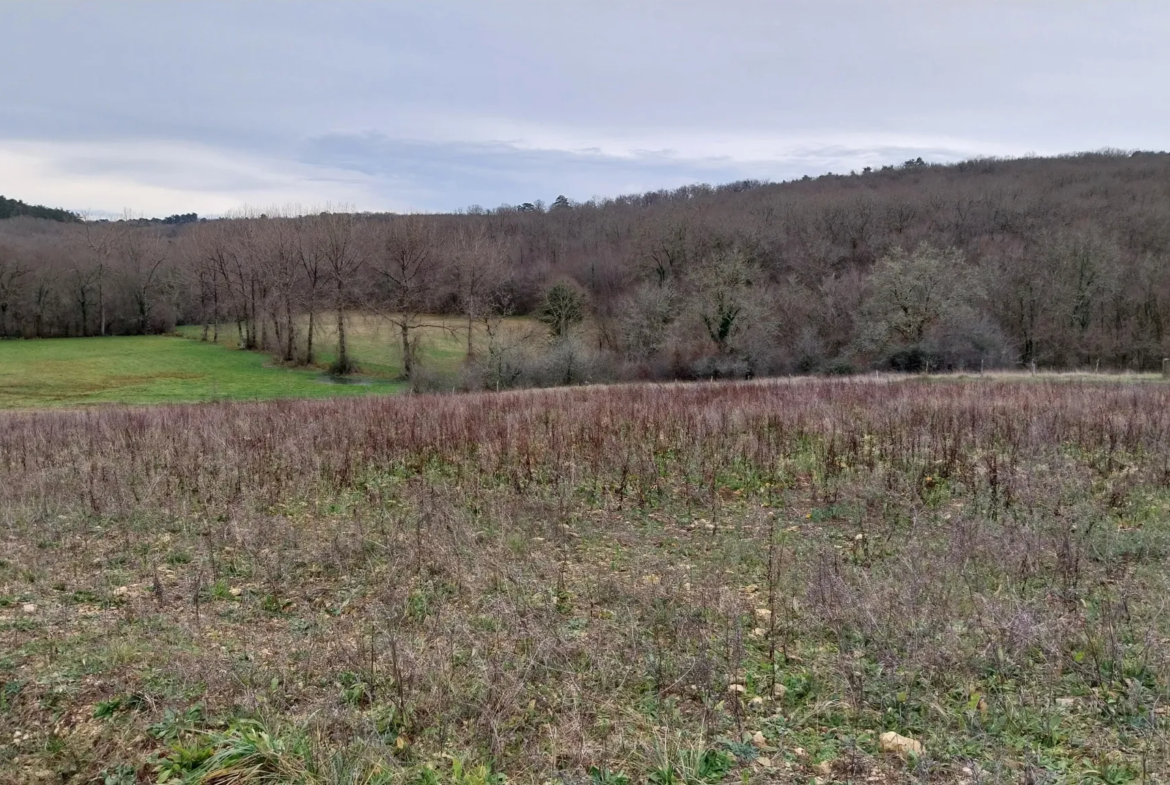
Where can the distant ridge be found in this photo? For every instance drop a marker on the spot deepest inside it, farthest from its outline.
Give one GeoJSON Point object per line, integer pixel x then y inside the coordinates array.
{"type": "Point", "coordinates": [11, 208]}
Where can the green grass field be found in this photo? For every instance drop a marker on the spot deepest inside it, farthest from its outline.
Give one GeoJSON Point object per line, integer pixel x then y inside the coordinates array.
{"type": "Point", "coordinates": [169, 369]}
{"type": "Point", "coordinates": [152, 369]}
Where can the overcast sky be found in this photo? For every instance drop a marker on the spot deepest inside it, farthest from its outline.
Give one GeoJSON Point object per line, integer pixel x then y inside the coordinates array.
{"type": "Point", "coordinates": [167, 107]}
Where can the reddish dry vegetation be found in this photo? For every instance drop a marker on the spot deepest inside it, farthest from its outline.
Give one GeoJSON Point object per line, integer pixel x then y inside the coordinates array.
{"type": "Point", "coordinates": [675, 583]}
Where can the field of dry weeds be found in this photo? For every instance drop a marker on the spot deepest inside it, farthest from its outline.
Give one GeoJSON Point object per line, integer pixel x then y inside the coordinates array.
{"type": "Point", "coordinates": [758, 582]}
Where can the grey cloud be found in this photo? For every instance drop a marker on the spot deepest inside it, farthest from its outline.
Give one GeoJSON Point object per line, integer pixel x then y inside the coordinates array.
{"type": "Point", "coordinates": [485, 83]}
{"type": "Point", "coordinates": [173, 170]}
{"type": "Point", "coordinates": [491, 174]}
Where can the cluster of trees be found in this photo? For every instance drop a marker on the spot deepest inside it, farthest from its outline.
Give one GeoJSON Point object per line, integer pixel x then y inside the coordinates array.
{"type": "Point", "coordinates": [10, 208]}
{"type": "Point", "coordinates": [1063, 262]}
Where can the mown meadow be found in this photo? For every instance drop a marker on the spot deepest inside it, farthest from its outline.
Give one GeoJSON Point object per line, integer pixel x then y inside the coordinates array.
{"type": "Point", "coordinates": [184, 368]}
{"type": "Point", "coordinates": [695, 583]}
{"type": "Point", "coordinates": [149, 369]}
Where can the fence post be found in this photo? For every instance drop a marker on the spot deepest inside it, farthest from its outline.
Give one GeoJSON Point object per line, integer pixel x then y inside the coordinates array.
{"type": "Point", "coordinates": [1166, 367]}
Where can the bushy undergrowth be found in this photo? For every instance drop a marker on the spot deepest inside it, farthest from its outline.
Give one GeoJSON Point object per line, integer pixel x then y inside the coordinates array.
{"type": "Point", "coordinates": [667, 584]}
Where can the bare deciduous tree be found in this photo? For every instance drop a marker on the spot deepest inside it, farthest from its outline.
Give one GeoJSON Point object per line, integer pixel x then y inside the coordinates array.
{"type": "Point", "coordinates": [12, 274]}
{"type": "Point", "coordinates": [720, 287]}
{"type": "Point", "coordinates": [479, 271]}
{"type": "Point", "coordinates": [409, 266]}
{"type": "Point", "coordinates": [342, 252]}
{"type": "Point", "coordinates": [100, 241]}
{"type": "Point", "coordinates": [277, 252]}
{"type": "Point", "coordinates": [142, 255]}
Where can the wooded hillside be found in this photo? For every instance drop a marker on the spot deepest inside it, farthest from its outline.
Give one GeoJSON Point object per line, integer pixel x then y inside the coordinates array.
{"type": "Point", "coordinates": [1062, 261]}
{"type": "Point", "coordinates": [10, 208]}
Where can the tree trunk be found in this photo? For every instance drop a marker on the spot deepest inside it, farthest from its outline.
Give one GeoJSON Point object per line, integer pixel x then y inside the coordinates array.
{"type": "Point", "coordinates": [290, 351]}
{"type": "Point", "coordinates": [143, 313]}
{"type": "Point", "coordinates": [215, 310]}
{"type": "Point", "coordinates": [470, 346]}
{"type": "Point", "coordinates": [309, 340]}
{"type": "Point", "coordinates": [253, 316]}
{"type": "Point", "coordinates": [407, 353]}
{"type": "Point", "coordinates": [279, 335]}
{"type": "Point", "coordinates": [83, 305]}
{"type": "Point", "coordinates": [101, 304]}
{"type": "Point", "coordinates": [342, 345]}
{"type": "Point", "coordinates": [203, 308]}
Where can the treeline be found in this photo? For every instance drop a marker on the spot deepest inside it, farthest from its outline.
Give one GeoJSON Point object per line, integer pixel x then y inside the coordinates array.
{"type": "Point", "coordinates": [11, 208]}
{"type": "Point", "coordinates": [1063, 262]}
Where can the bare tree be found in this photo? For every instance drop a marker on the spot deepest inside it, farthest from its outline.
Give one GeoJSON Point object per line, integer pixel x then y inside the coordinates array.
{"type": "Point", "coordinates": [102, 241]}
{"type": "Point", "coordinates": [227, 244]}
{"type": "Point", "coordinates": [250, 257]}
{"type": "Point", "coordinates": [479, 273]}
{"type": "Point", "coordinates": [201, 272]}
{"type": "Point", "coordinates": [308, 251]}
{"type": "Point", "coordinates": [720, 288]}
{"type": "Point", "coordinates": [277, 254]}
{"type": "Point", "coordinates": [665, 246]}
{"type": "Point", "coordinates": [918, 302]}
{"type": "Point", "coordinates": [340, 255]}
{"type": "Point", "coordinates": [142, 255]}
{"type": "Point", "coordinates": [913, 292]}
{"type": "Point", "coordinates": [562, 309]}
{"type": "Point", "coordinates": [645, 318]}
{"type": "Point", "coordinates": [12, 273]}
{"type": "Point", "coordinates": [42, 296]}
{"type": "Point", "coordinates": [409, 266]}
{"type": "Point", "coordinates": [82, 279]}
